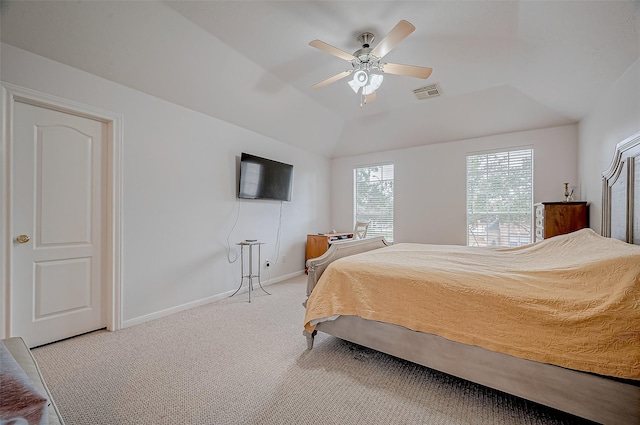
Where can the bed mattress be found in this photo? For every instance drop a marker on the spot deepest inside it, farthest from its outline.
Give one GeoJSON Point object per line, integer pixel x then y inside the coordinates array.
{"type": "Point", "coordinates": [572, 300]}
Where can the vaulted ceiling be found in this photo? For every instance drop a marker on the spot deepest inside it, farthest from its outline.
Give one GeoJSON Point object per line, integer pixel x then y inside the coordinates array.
{"type": "Point", "coordinates": [501, 66]}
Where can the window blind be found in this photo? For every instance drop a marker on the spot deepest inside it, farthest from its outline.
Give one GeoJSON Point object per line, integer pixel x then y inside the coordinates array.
{"type": "Point", "coordinates": [373, 199]}
{"type": "Point", "coordinates": [500, 198]}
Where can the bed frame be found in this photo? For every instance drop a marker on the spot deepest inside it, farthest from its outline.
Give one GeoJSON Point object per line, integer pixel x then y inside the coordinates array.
{"type": "Point", "coordinates": [597, 398]}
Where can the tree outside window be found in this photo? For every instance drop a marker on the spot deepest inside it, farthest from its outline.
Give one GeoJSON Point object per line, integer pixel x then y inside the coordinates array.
{"type": "Point", "coordinates": [373, 199]}
{"type": "Point", "coordinates": [500, 198]}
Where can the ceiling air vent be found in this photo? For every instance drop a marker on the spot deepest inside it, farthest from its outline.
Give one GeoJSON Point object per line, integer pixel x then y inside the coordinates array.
{"type": "Point", "coordinates": [427, 92]}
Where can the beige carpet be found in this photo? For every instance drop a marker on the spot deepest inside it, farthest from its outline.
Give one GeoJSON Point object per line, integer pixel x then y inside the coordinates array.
{"type": "Point", "coordinates": [232, 362]}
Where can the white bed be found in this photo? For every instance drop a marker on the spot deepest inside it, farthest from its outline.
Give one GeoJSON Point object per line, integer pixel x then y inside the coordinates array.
{"type": "Point", "coordinates": [599, 398]}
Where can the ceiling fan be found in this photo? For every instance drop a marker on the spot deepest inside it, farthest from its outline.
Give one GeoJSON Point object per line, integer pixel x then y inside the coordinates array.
{"type": "Point", "coordinates": [366, 63]}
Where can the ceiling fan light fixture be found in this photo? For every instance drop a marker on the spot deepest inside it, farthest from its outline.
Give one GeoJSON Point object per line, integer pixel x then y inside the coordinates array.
{"type": "Point", "coordinates": [360, 78]}
{"type": "Point", "coordinates": [355, 87]}
{"type": "Point", "coordinates": [375, 81]}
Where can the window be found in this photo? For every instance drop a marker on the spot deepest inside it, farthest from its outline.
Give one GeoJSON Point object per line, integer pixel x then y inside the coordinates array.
{"type": "Point", "coordinates": [500, 198]}
{"type": "Point", "coordinates": [373, 199]}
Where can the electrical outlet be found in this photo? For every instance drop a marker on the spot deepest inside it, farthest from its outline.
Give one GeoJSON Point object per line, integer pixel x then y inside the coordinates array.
{"type": "Point", "coordinates": [284, 258]}
{"type": "Point", "coordinates": [267, 263]}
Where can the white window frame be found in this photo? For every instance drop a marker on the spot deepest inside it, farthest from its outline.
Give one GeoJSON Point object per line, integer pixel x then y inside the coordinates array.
{"type": "Point", "coordinates": [498, 215]}
{"type": "Point", "coordinates": [381, 222]}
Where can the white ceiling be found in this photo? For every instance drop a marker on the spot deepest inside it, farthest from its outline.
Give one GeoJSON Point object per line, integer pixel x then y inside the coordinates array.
{"type": "Point", "coordinates": [502, 66]}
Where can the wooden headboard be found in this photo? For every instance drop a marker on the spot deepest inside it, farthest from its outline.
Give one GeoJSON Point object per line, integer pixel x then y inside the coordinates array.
{"type": "Point", "coordinates": [621, 193]}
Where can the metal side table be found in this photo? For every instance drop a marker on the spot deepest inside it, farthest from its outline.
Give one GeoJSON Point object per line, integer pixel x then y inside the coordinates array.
{"type": "Point", "coordinates": [250, 276]}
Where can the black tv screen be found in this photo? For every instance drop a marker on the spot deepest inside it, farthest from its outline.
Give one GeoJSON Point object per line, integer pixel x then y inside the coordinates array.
{"type": "Point", "coordinates": [262, 178]}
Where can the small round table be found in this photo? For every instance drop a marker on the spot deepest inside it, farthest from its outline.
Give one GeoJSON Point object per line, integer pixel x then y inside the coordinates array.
{"type": "Point", "coordinates": [250, 276]}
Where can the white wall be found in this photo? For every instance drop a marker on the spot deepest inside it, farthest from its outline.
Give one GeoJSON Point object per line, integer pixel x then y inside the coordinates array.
{"type": "Point", "coordinates": [430, 181]}
{"type": "Point", "coordinates": [615, 118]}
{"type": "Point", "coordinates": [179, 200]}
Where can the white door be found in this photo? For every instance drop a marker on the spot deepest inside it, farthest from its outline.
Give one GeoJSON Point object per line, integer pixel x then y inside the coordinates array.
{"type": "Point", "coordinates": [58, 167]}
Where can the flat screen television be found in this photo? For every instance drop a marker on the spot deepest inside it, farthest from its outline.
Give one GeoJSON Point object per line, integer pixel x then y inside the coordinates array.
{"type": "Point", "coordinates": [262, 178]}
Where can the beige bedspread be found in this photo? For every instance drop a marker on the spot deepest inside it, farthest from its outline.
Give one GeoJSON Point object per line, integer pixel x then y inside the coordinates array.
{"type": "Point", "coordinates": [572, 300]}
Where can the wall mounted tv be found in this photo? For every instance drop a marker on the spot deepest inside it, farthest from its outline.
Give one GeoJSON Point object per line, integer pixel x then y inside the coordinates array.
{"type": "Point", "coordinates": [262, 178]}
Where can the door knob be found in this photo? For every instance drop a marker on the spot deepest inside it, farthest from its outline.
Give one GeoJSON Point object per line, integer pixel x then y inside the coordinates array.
{"type": "Point", "coordinates": [23, 238]}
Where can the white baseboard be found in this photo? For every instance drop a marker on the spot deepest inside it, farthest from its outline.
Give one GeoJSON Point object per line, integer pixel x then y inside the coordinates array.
{"type": "Point", "coordinates": [203, 301]}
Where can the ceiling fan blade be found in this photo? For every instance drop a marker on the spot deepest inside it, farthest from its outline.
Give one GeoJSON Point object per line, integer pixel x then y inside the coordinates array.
{"type": "Point", "coordinates": [370, 97]}
{"type": "Point", "coordinates": [408, 70]}
{"type": "Point", "coordinates": [391, 40]}
{"type": "Point", "coordinates": [331, 80]}
{"type": "Point", "coordinates": [331, 50]}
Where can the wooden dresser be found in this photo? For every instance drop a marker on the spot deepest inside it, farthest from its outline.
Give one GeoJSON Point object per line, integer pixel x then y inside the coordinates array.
{"type": "Point", "coordinates": [558, 218]}
{"type": "Point", "coordinates": [319, 244]}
